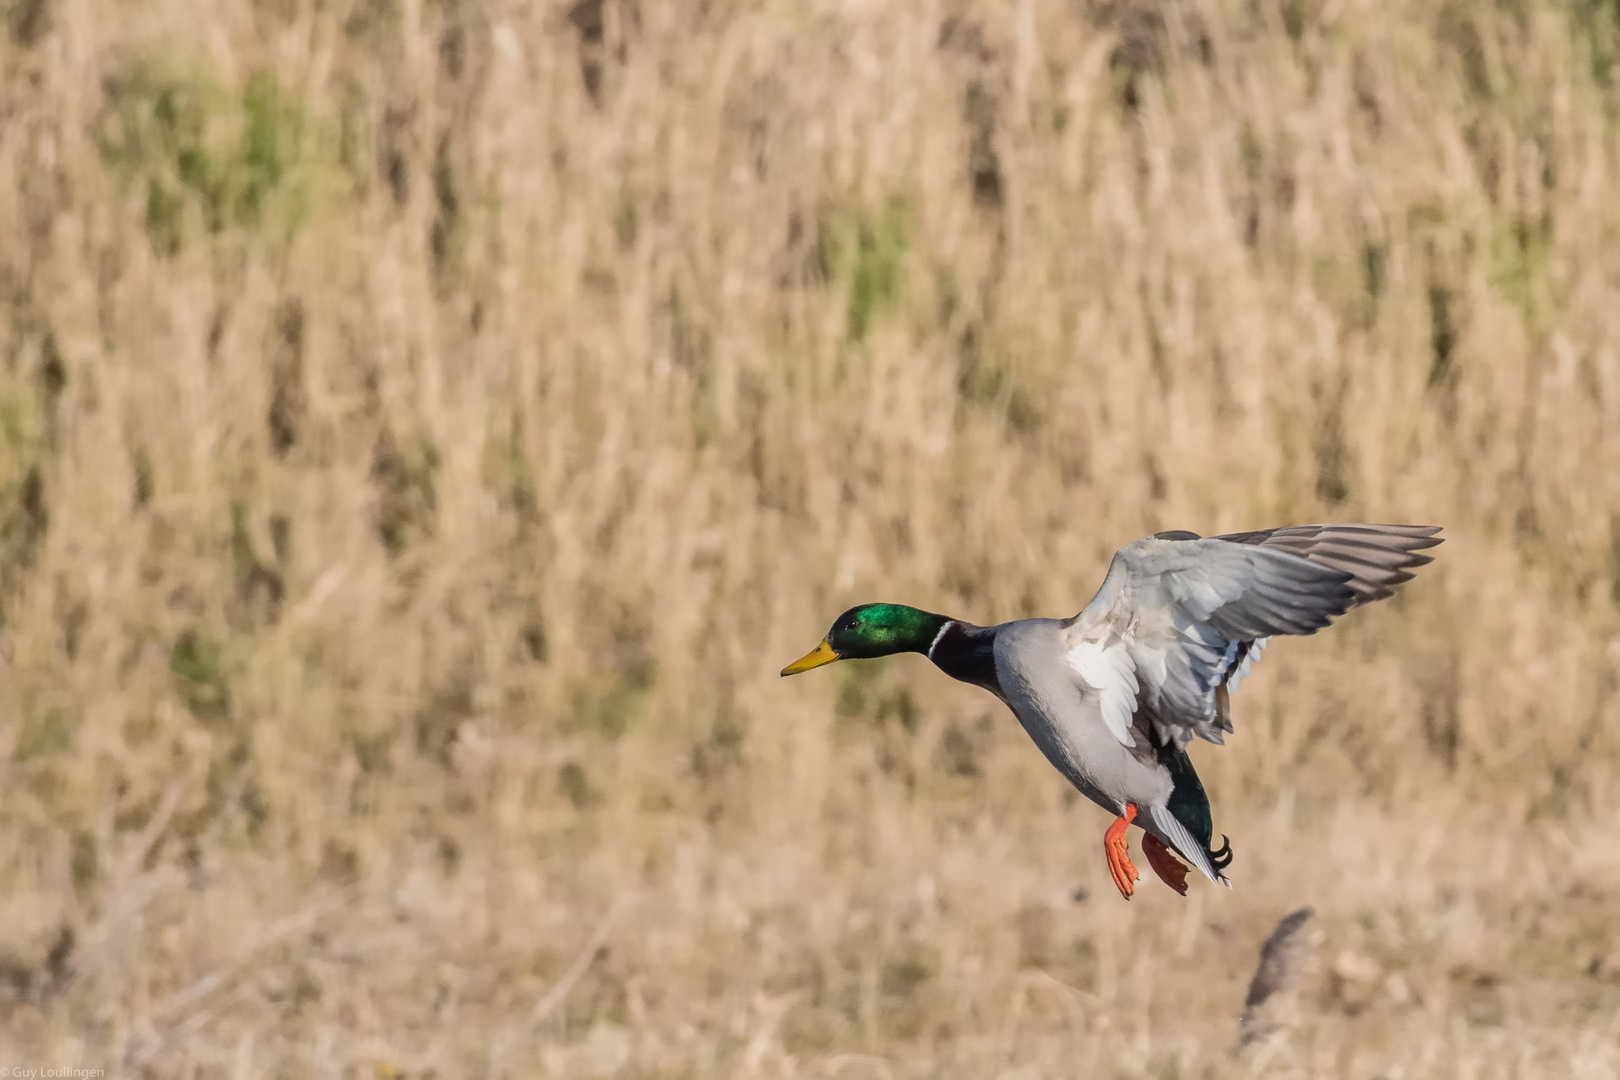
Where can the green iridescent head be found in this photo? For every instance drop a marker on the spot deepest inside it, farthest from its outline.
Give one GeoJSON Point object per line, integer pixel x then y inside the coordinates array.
{"type": "Point", "coordinates": [872, 630]}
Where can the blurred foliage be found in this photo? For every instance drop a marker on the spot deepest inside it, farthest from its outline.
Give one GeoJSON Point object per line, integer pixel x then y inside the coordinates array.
{"type": "Point", "coordinates": [868, 251]}
{"type": "Point", "coordinates": [205, 156]}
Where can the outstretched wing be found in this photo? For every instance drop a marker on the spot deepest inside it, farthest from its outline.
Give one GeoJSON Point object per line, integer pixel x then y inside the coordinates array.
{"type": "Point", "coordinates": [1377, 557]}
{"type": "Point", "coordinates": [1179, 619]}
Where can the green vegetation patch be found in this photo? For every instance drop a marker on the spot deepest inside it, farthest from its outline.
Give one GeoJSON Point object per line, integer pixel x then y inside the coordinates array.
{"type": "Point", "coordinates": [867, 249]}
{"type": "Point", "coordinates": [207, 157]}
{"type": "Point", "coordinates": [45, 734]}
{"type": "Point", "coordinates": [33, 377]}
{"type": "Point", "coordinates": [1520, 260]}
{"type": "Point", "coordinates": [196, 660]}
{"type": "Point", "coordinates": [1597, 27]}
{"type": "Point", "coordinates": [403, 474]}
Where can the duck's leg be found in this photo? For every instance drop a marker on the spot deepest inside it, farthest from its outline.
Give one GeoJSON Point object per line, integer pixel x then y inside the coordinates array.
{"type": "Point", "coordinates": [1119, 860]}
{"type": "Point", "coordinates": [1170, 869]}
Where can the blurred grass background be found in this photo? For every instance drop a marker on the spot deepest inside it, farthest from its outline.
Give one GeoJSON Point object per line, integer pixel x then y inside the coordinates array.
{"type": "Point", "coordinates": [427, 428]}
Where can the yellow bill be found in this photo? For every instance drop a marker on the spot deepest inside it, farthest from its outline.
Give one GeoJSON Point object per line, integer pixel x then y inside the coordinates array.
{"type": "Point", "coordinates": [821, 654]}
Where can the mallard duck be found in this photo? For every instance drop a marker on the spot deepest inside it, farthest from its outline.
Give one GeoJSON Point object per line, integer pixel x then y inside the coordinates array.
{"type": "Point", "coordinates": [1113, 695]}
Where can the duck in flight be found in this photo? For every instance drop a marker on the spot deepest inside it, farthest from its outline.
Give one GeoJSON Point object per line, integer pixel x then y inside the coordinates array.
{"type": "Point", "coordinates": [1113, 695]}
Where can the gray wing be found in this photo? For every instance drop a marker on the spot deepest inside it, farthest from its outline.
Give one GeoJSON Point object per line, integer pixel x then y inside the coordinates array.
{"type": "Point", "coordinates": [1178, 618]}
{"type": "Point", "coordinates": [1377, 557]}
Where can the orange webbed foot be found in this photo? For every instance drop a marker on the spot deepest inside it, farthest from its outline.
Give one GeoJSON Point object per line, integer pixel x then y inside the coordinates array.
{"type": "Point", "coordinates": [1171, 871]}
{"type": "Point", "coordinates": [1119, 860]}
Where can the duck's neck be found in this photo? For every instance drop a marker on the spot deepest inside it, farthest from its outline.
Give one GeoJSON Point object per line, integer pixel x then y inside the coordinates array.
{"type": "Point", "coordinates": [967, 652]}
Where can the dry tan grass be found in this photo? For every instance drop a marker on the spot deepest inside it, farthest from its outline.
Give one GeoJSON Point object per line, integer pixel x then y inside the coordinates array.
{"type": "Point", "coordinates": [426, 429]}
